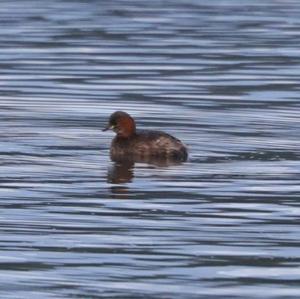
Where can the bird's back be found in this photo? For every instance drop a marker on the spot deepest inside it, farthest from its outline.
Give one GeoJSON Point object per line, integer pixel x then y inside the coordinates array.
{"type": "Point", "coordinates": [147, 143]}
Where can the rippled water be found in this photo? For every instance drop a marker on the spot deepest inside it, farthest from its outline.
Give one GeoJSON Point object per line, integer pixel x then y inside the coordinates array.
{"type": "Point", "coordinates": [223, 76]}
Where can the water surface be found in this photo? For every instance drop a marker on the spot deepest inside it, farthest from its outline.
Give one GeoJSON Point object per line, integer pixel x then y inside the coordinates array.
{"type": "Point", "coordinates": [223, 76]}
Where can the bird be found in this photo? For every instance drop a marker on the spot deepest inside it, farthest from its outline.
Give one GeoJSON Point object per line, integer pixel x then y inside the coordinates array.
{"type": "Point", "coordinates": [135, 144]}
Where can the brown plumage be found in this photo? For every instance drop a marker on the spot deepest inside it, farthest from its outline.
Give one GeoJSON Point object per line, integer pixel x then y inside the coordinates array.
{"type": "Point", "coordinates": [133, 144]}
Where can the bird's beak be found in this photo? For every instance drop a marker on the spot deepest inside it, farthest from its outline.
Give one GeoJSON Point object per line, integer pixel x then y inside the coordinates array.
{"type": "Point", "coordinates": [108, 127]}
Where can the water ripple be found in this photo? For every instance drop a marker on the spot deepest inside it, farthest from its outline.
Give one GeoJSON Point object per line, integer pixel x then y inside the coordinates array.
{"type": "Point", "coordinates": [222, 76]}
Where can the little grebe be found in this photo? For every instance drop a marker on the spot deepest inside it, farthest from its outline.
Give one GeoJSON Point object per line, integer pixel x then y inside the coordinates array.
{"type": "Point", "coordinates": [141, 145]}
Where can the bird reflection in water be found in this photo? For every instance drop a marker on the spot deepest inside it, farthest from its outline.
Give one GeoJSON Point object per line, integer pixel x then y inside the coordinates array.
{"type": "Point", "coordinates": [120, 172]}
{"type": "Point", "coordinates": [123, 171]}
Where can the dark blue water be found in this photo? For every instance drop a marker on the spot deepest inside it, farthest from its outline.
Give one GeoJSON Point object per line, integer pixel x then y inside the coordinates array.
{"type": "Point", "coordinates": [223, 76]}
